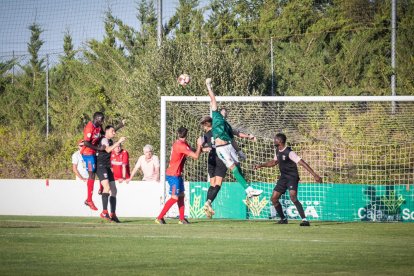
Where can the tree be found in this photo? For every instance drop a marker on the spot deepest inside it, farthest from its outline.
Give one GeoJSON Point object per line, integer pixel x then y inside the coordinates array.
{"type": "Point", "coordinates": [33, 47]}
{"type": "Point", "coordinates": [187, 20]}
{"type": "Point", "coordinates": [147, 18]}
{"type": "Point", "coordinates": [221, 21]}
{"type": "Point", "coordinates": [109, 38]}
{"type": "Point", "coordinates": [68, 47]}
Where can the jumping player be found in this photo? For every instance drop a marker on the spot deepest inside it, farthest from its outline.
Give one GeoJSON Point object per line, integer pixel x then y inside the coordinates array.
{"type": "Point", "coordinates": [223, 139]}
{"type": "Point", "coordinates": [92, 134]}
{"type": "Point", "coordinates": [287, 160]}
{"type": "Point", "coordinates": [180, 150]}
{"type": "Point", "coordinates": [215, 166]}
{"type": "Point", "coordinates": [105, 175]}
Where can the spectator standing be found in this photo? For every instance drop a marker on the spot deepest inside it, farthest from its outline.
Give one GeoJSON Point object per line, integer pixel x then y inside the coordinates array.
{"type": "Point", "coordinates": [120, 164]}
{"type": "Point", "coordinates": [79, 165]}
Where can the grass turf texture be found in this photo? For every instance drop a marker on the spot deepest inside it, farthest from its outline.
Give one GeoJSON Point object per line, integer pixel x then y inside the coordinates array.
{"type": "Point", "coordinates": [62, 245]}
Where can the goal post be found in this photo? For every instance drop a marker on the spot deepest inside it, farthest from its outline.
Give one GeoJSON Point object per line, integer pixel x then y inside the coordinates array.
{"type": "Point", "coordinates": [361, 148]}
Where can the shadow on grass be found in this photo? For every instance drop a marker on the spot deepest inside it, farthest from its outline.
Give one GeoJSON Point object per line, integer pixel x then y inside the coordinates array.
{"type": "Point", "coordinates": [18, 227]}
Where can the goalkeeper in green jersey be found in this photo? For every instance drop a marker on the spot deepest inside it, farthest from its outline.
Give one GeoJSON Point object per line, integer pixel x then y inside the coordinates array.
{"type": "Point", "coordinates": [225, 146]}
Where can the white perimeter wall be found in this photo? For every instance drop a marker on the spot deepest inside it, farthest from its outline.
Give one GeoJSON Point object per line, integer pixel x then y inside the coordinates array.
{"type": "Point", "coordinates": [65, 198]}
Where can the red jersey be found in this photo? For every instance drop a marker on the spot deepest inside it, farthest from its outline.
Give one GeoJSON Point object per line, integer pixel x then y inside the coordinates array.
{"type": "Point", "coordinates": [179, 151]}
{"type": "Point", "coordinates": [92, 134]}
{"type": "Point", "coordinates": [117, 160]}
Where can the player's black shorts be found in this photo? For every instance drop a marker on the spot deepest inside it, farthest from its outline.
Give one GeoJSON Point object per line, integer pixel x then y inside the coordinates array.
{"type": "Point", "coordinates": [216, 167]}
{"type": "Point", "coordinates": [104, 173]}
{"type": "Point", "coordinates": [285, 183]}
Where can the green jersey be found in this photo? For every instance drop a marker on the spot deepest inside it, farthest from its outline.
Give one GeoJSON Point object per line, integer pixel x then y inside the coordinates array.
{"type": "Point", "coordinates": [221, 129]}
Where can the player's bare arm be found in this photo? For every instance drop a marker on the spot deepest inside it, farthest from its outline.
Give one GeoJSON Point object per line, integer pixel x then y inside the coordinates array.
{"type": "Point", "coordinates": [121, 125]}
{"type": "Point", "coordinates": [207, 149]}
{"type": "Point", "coordinates": [240, 134]}
{"type": "Point", "coordinates": [244, 135]}
{"type": "Point", "coordinates": [270, 163]}
{"type": "Point", "coordinates": [196, 154]}
{"type": "Point", "coordinates": [108, 149]}
{"type": "Point", "coordinates": [303, 163]}
{"type": "Point", "coordinates": [211, 94]}
{"type": "Point", "coordinates": [89, 145]}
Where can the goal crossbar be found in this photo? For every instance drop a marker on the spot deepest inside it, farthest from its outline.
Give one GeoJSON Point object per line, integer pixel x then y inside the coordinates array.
{"type": "Point", "coordinates": [289, 99]}
{"type": "Point", "coordinates": [165, 99]}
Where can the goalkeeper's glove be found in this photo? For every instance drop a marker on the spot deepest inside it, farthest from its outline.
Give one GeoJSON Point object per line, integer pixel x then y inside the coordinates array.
{"type": "Point", "coordinates": [241, 155]}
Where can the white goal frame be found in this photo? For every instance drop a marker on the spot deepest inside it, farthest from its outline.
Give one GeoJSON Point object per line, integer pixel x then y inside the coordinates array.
{"type": "Point", "coordinates": [165, 99]}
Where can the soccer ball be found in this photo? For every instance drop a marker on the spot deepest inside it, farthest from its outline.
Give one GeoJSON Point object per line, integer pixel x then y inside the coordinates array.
{"type": "Point", "coordinates": [183, 79]}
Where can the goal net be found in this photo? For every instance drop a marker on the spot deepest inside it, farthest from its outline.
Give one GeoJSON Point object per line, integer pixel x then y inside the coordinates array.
{"type": "Point", "coordinates": [362, 147]}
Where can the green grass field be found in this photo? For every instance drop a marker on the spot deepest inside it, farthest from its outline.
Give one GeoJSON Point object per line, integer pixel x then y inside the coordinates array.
{"type": "Point", "coordinates": [61, 245]}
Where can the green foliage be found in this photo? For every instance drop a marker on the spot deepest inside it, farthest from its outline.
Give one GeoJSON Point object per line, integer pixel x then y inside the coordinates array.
{"type": "Point", "coordinates": [320, 47]}
{"type": "Point", "coordinates": [68, 47]}
{"type": "Point", "coordinates": [187, 22]}
{"type": "Point", "coordinates": [33, 47]}
{"type": "Point", "coordinates": [147, 19]}
{"type": "Point", "coordinates": [30, 155]}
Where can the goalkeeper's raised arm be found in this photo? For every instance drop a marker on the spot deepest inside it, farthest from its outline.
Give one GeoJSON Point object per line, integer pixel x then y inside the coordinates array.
{"type": "Point", "coordinates": [223, 138]}
{"type": "Point", "coordinates": [213, 101]}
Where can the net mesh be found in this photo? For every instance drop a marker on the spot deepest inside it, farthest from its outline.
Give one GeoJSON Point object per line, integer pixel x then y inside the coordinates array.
{"type": "Point", "coordinates": [344, 142]}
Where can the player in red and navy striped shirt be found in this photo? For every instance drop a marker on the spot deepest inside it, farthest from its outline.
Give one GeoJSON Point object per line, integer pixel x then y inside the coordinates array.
{"type": "Point", "coordinates": [92, 134]}
{"type": "Point", "coordinates": [180, 150]}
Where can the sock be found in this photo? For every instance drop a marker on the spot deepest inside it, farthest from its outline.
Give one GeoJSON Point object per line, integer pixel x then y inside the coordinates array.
{"type": "Point", "coordinates": [181, 207]}
{"type": "Point", "coordinates": [210, 193]}
{"type": "Point", "coordinates": [239, 177]}
{"type": "Point", "coordinates": [300, 209]}
{"type": "Point", "coordinates": [90, 189]}
{"type": "Point", "coordinates": [112, 200]}
{"type": "Point", "coordinates": [105, 201]}
{"type": "Point", "coordinates": [279, 210]}
{"type": "Point", "coordinates": [167, 207]}
{"type": "Point", "coordinates": [215, 192]}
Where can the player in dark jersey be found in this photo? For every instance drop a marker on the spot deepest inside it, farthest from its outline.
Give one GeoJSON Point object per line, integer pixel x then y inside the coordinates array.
{"type": "Point", "coordinates": [215, 166]}
{"type": "Point", "coordinates": [179, 152]}
{"type": "Point", "coordinates": [92, 134]}
{"type": "Point", "coordinates": [287, 160]}
{"type": "Point", "coordinates": [223, 135]}
{"type": "Point", "coordinates": [105, 175]}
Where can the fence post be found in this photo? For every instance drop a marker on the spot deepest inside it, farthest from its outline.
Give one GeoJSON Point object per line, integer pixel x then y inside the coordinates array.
{"type": "Point", "coordinates": [393, 41]}
{"type": "Point", "coordinates": [47, 96]}
{"type": "Point", "coordinates": [159, 23]}
{"type": "Point", "coordinates": [13, 70]}
{"type": "Point", "coordinates": [271, 64]}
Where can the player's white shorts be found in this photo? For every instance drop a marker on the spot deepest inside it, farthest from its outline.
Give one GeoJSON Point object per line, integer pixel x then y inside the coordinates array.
{"type": "Point", "coordinates": [227, 154]}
